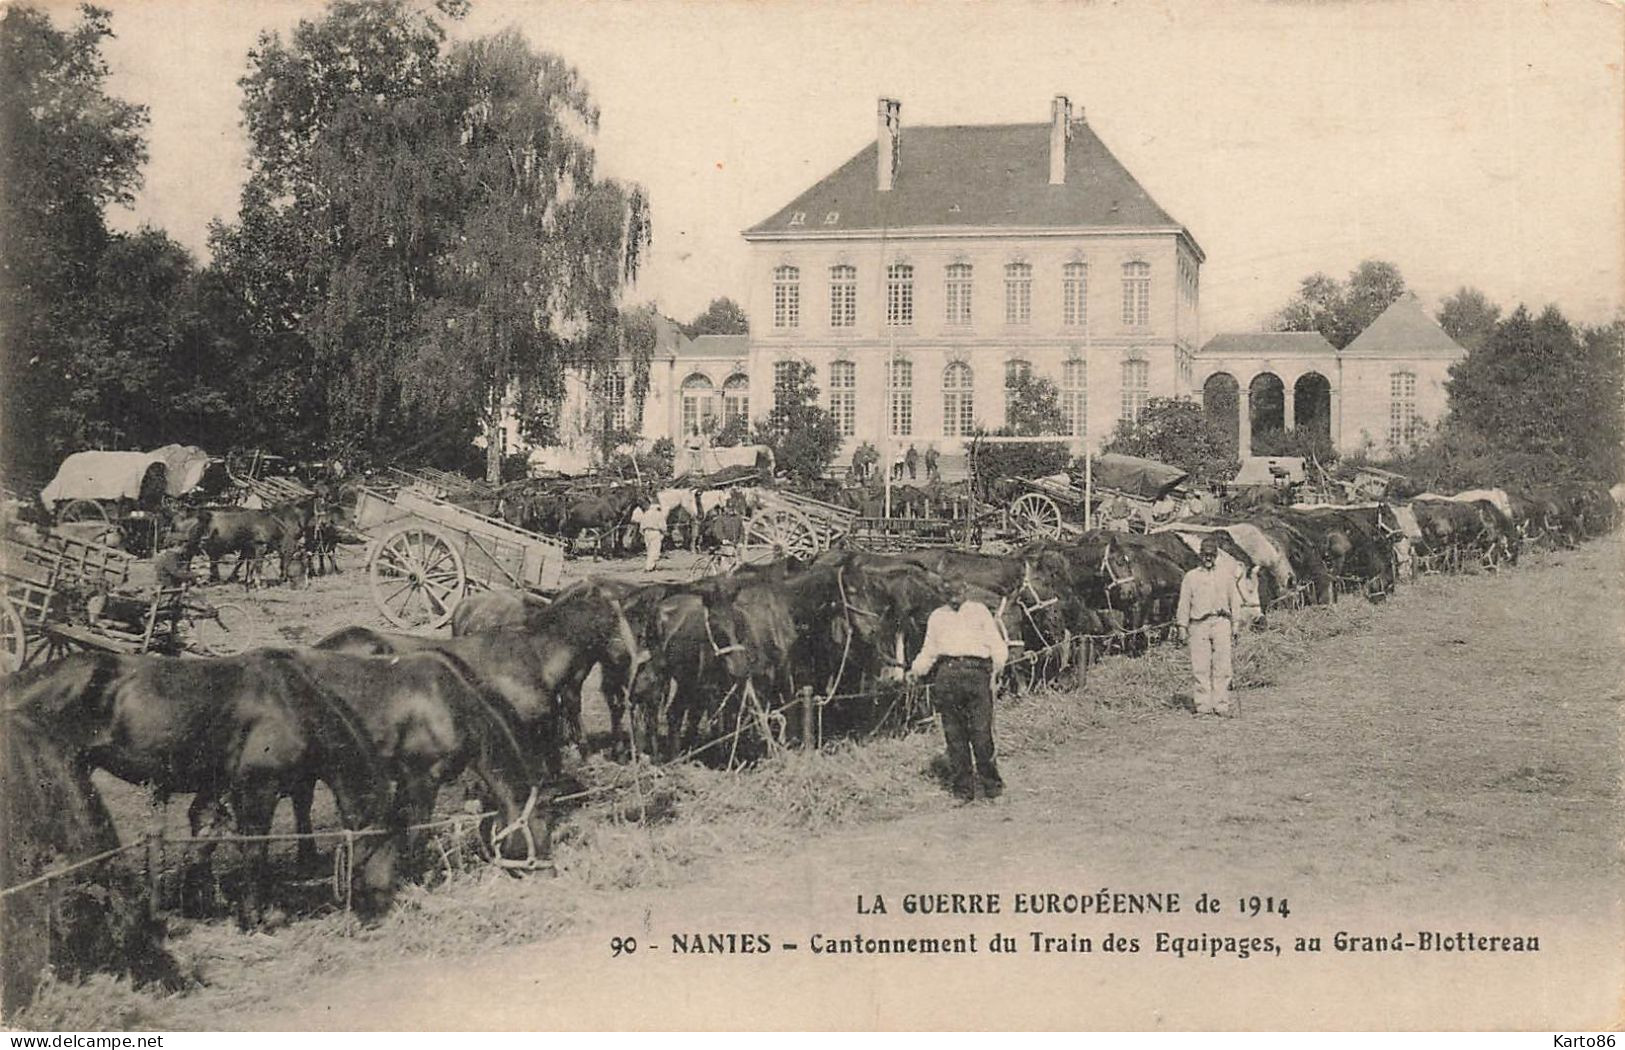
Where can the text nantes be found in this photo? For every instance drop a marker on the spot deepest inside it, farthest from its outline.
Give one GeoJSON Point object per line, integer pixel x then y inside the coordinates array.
{"type": "Point", "coordinates": [1104, 902]}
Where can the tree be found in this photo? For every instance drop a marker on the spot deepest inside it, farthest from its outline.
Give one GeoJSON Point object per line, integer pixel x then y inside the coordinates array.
{"type": "Point", "coordinates": [1340, 311]}
{"type": "Point", "coordinates": [67, 151]}
{"type": "Point", "coordinates": [1033, 406]}
{"type": "Point", "coordinates": [722, 317]}
{"type": "Point", "coordinates": [804, 437]}
{"type": "Point", "coordinates": [425, 230]}
{"type": "Point", "coordinates": [1468, 317]}
{"type": "Point", "coordinates": [1174, 431]}
{"type": "Point", "coordinates": [1542, 395]}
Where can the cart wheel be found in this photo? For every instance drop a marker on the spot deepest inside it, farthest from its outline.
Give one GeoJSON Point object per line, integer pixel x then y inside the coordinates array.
{"type": "Point", "coordinates": [83, 511]}
{"type": "Point", "coordinates": [417, 576]}
{"type": "Point", "coordinates": [225, 633]}
{"type": "Point", "coordinates": [13, 637]}
{"type": "Point", "coordinates": [779, 533]}
{"type": "Point", "coordinates": [1034, 514]}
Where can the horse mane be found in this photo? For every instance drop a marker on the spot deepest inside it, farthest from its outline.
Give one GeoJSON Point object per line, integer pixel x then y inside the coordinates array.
{"type": "Point", "coordinates": [49, 692]}
{"type": "Point", "coordinates": [333, 713]}
{"type": "Point", "coordinates": [496, 711]}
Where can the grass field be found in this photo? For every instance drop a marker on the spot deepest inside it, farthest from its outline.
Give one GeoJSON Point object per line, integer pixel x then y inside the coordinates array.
{"type": "Point", "coordinates": [1449, 760]}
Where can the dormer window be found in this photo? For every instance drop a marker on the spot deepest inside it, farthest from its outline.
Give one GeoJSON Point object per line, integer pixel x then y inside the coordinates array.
{"type": "Point", "coordinates": [798, 218]}
{"type": "Point", "coordinates": [832, 218]}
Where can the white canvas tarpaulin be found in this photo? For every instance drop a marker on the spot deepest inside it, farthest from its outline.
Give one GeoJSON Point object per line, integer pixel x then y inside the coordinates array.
{"type": "Point", "coordinates": [99, 476]}
{"type": "Point", "coordinates": [186, 464]}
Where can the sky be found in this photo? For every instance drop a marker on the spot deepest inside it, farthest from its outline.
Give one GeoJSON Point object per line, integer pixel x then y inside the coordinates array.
{"type": "Point", "coordinates": [1476, 143]}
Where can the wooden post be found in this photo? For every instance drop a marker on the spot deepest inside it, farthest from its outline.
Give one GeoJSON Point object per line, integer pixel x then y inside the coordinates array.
{"type": "Point", "coordinates": [155, 866]}
{"type": "Point", "coordinates": [808, 743]}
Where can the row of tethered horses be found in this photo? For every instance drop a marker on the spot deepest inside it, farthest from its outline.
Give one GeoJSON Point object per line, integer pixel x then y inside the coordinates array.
{"type": "Point", "coordinates": [738, 660]}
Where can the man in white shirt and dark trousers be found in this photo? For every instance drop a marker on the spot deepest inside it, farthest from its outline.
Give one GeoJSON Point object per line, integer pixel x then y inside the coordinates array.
{"type": "Point", "coordinates": [1209, 609]}
{"type": "Point", "coordinates": [651, 521]}
{"type": "Point", "coordinates": [964, 651]}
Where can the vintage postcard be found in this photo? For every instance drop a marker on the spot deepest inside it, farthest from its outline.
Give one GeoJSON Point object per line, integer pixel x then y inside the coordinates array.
{"type": "Point", "coordinates": [845, 516]}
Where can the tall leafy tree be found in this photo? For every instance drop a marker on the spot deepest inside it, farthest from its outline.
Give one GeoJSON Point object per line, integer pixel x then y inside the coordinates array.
{"type": "Point", "coordinates": [68, 149]}
{"type": "Point", "coordinates": [1342, 310]}
{"type": "Point", "coordinates": [722, 317]}
{"type": "Point", "coordinates": [803, 435]}
{"type": "Point", "coordinates": [1468, 317]}
{"type": "Point", "coordinates": [1175, 431]}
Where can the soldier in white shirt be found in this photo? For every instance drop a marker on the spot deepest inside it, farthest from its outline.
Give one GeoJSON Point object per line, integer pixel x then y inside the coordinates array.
{"type": "Point", "coordinates": [651, 521]}
{"type": "Point", "coordinates": [963, 652]}
{"type": "Point", "coordinates": [1210, 607]}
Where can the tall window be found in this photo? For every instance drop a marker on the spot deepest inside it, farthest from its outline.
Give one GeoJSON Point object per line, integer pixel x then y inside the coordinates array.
{"type": "Point", "coordinates": [784, 375]}
{"type": "Point", "coordinates": [699, 405]}
{"type": "Point", "coordinates": [1136, 388]}
{"type": "Point", "coordinates": [612, 392]}
{"type": "Point", "coordinates": [958, 400]}
{"type": "Point", "coordinates": [1075, 395]}
{"type": "Point", "coordinates": [843, 396]}
{"type": "Point", "coordinates": [1014, 372]}
{"type": "Point", "coordinates": [1136, 293]}
{"type": "Point", "coordinates": [1018, 293]}
{"type": "Point", "coordinates": [900, 398]}
{"type": "Point", "coordinates": [1402, 423]}
{"type": "Point", "coordinates": [786, 297]}
{"type": "Point", "coordinates": [899, 294]}
{"type": "Point", "coordinates": [736, 398]}
{"type": "Point", "coordinates": [1075, 295]}
{"type": "Point", "coordinates": [958, 293]}
{"type": "Point", "coordinates": [843, 296]}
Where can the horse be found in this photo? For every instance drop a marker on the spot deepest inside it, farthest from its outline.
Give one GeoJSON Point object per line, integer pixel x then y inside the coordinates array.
{"type": "Point", "coordinates": [249, 534]}
{"type": "Point", "coordinates": [247, 729]}
{"type": "Point", "coordinates": [430, 719]}
{"type": "Point", "coordinates": [51, 813]}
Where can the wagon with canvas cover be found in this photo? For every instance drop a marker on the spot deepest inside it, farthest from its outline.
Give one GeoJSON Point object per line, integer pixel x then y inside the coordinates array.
{"type": "Point", "coordinates": [427, 553]}
{"type": "Point", "coordinates": [1143, 489]}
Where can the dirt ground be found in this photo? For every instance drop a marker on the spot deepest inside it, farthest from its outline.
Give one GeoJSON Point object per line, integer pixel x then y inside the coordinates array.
{"type": "Point", "coordinates": [1453, 763]}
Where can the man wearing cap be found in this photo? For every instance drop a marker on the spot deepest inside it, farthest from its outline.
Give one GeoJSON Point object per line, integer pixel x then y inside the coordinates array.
{"type": "Point", "coordinates": [1209, 609]}
{"type": "Point", "coordinates": [964, 651]}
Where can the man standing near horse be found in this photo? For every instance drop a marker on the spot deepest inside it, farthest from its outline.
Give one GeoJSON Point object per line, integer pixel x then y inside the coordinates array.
{"type": "Point", "coordinates": [651, 521]}
{"type": "Point", "coordinates": [964, 652]}
{"type": "Point", "coordinates": [1210, 607]}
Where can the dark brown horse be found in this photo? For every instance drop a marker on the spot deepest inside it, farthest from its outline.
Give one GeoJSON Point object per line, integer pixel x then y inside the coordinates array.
{"type": "Point", "coordinates": [244, 730]}
{"type": "Point", "coordinates": [250, 535]}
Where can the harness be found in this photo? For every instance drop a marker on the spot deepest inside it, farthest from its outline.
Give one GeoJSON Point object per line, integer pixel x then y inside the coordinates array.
{"type": "Point", "coordinates": [716, 650]}
{"type": "Point", "coordinates": [521, 825]}
{"type": "Point", "coordinates": [1117, 582]}
{"type": "Point", "coordinates": [846, 603]}
{"type": "Point", "coordinates": [1039, 604]}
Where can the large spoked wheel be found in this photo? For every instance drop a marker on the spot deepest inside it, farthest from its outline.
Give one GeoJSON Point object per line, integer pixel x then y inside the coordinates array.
{"type": "Point", "coordinates": [417, 577]}
{"type": "Point", "coordinates": [777, 533]}
{"type": "Point", "coordinates": [224, 633]}
{"type": "Point", "coordinates": [13, 637]}
{"type": "Point", "coordinates": [82, 512]}
{"type": "Point", "coordinates": [1035, 515]}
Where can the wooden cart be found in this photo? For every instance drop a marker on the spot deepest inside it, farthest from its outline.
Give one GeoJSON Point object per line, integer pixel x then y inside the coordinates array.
{"type": "Point", "coordinates": [427, 552]}
{"type": "Point", "coordinates": [785, 524]}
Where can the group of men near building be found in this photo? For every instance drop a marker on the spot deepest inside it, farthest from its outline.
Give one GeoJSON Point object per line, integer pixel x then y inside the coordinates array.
{"type": "Point", "coordinates": [866, 459]}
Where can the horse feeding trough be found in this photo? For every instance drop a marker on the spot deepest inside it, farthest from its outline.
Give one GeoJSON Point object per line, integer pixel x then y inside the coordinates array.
{"type": "Point", "coordinates": [428, 552]}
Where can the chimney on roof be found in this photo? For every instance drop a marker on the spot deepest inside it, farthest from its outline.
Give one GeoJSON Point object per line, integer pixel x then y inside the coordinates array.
{"type": "Point", "coordinates": [1060, 130]}
{"type": "Point", "coordinates": [888, 142]}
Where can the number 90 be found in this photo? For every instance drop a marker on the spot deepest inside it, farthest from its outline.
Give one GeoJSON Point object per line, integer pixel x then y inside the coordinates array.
{"type": "Point", "coordinates": [619, 946]}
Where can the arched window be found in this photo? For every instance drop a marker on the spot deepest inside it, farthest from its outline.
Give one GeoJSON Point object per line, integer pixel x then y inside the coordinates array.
{"type": "Point", "coordinates": [1136, 388]}
{"type": "Point", "coordinates": [1402, 421]}
{"type": "Point", "coordinates": [958, 400]}
{"type": "Point", "coordinates": [1136, 293]}
{"type": "Point", "coordinates": [786, 297]}
{"type": "Point", "coordinates": [1075, 295]}
{"type": "Point", "coordinates": [843, 396]}
{"type": "Point", "coordinates": [1075, 395]}
{"type": "Point", "coordinates": [900, 397]}
{"type": "Point", "coordinates": [843, 296]}
{"type": "Point", "coordinates": [1018, 293]}
{"type": "Point", "coordinates": [699, 405]}
{"type": "Point", "coordinates": [899, 294]}
{"type": "Point", "coordinates": [736, 398]}
{"type": "Point", "coordinates": [1015, 372]}
{"type": "Point", "coordinates": [958, 289]}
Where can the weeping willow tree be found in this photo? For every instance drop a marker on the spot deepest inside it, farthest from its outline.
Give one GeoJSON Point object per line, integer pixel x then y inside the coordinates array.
{"type": "Point", "coordinates": [428, 221]}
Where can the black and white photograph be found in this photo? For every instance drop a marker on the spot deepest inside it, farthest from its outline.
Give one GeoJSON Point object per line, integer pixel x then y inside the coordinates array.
{"type": "Point", "coordinates": [786, 516]}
